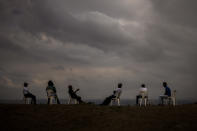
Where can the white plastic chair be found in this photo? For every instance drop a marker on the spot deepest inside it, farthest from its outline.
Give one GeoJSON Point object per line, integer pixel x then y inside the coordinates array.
{"type": "Point", "coordinates": [52, 97]}
{"type": "Point", "coordinates": [171, 99]}
{"type": "Point", "coordinates": [27, 100]}
{"type": "Point", "coordinates": [116, 99]}
{"type": "Point", "coordinates": [71, 100]}
{"type": "Point", "coordinates": [144, 99]}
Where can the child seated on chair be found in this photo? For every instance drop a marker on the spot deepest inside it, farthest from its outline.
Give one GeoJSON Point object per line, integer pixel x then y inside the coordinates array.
{"type": "Point", "coordinates": [27, 94]}
{"type": "Point", "coordinates": [52, 87]}
{"type": "Point", "coordinates": [73, 94]}
{"type": "Point", "coordinates": [143, 91]}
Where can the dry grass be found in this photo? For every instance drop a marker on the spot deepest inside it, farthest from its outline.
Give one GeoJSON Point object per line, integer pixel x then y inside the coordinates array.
{"type": "Point", "coordinates": [97, 118]}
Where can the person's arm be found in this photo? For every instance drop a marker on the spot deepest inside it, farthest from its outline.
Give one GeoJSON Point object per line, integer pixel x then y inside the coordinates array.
{"type": "Point", "coordinates": [54, 89]}
{"type": "Point", "coordinates": [26, 91]}
{"type": "Point", "coordinates": [76, 90]}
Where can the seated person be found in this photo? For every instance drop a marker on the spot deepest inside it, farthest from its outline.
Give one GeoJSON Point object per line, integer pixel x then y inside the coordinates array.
{"type": "Point", "coordinates": [52, 87]}
{"type": "Point", "coordinates": [118, 90]}
{"type": "Point", "coordinates": [143, 91]}
{"type": "Point", "coordinates": [166, 94]}
{"type": "Point", "coordinates": [27, 94]}
{"type": "Point", "coordinates": [73, 94]}
{"type": "Point", "coordinates": [116, 93]}
{"type": "Point", "coordinates": [109, 98]}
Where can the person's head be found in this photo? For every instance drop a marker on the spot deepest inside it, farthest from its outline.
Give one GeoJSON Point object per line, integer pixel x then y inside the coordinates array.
{"type": "Point", "coordinates": [50, 83]}
{"type": "Point", "coordinates": [143, 85]}
{"type": "Point", "coordinates": [25, 84]}
{"type": "Point", "coordinates": [164, 84]}
{"type": "Point", "coordinates": [119, 85]}
{"type": "Point", "coordinates": [70, 86]}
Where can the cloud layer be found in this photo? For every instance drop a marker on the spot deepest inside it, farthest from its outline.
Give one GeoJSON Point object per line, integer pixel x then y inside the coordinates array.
{"type": "Point", "coordinates": [94, 44]}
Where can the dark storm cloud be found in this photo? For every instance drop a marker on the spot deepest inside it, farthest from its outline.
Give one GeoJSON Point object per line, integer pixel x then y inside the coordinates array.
{"type": "Point", "coordinates": [177, 11]}
{"type": "Point", "coordinates": [103, 41]}
{"type": "Point", "coordinates": [42, 16]}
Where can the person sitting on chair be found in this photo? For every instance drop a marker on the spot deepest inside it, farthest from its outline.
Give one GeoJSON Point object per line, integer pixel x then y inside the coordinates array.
{"type": "Point", "coordinates": [27, 94]}
{"type": "Point", "coordinates": [73, 94]}
{"type": "Point", "coordinates": [166, 94]}
{"type": "Point", "coordinates": [118, 90]}
{"type": "Point", "coordinates": [116, 93]}
{"type": "Point", "coordinates": [109, 98]}
{"type": "Point", "coordinates": [52, 87]}
{"type": "Point", "coordinates": [143, 91]}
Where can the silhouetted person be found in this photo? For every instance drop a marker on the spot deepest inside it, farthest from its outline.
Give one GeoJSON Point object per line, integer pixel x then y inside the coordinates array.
{"type": "Point", "coordinates": [118, 90]}
{"type": "Point", "coordinates": [144, 90]}
{"type": "Point", "coordinates": [73, 94]}
{"type": "Point", "coordinates": [115, 94]}
{"type": "Point", "coordinates": [167, 92]}
{"type": "Point", "coordinates": [52, 87]}
{"type": "Point", "coordinates": [109, 98]}
{"type": "Point", "coordinates": [27, 94]}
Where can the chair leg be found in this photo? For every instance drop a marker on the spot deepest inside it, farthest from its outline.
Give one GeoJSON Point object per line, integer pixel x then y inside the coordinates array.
{"type": "Point", "coordinates": [140, 101]}
{"type": "Point", "coordinates": [111, 103]}
{"type": "Point", "coordinates": [50, 101]}
{"type": "Point", "coordinates": [69, 101]}
{"type": "Point", "coordinates": [28, 101]}
{"type": "Point", "coordinates": [53, 101]}
{"type": "Point", "coordinates": [173, 101]}
{"type": "Point", "coordinates": [145, 100]}
{"type": "Point", "coordinates": [118, 102]}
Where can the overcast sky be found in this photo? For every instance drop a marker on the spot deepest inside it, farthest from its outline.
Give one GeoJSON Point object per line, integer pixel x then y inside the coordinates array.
{"type": "Point", "coordinates": [94, 44]}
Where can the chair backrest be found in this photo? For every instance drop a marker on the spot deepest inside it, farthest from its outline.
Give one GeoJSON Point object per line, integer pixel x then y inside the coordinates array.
{"type": "Point", "coordinates": [143, 94]}
{"type": "Point", "coordinates": [50, 93]}
{"type": "Point", "coordinates": [118, 94]}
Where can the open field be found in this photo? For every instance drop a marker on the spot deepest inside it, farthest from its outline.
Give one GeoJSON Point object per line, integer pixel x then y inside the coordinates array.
{"type": "Point", "coordinates": [97, 118]}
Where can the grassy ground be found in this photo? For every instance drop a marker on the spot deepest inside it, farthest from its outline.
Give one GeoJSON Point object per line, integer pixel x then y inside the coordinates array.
{"type": "Point", "coordinates": [97, 118]}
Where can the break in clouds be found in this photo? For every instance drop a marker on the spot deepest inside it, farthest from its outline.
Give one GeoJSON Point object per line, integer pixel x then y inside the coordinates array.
{"type": "Point", "coordinates": [94, 44]}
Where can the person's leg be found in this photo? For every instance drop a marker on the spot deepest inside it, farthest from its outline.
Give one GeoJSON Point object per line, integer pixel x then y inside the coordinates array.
{"type": "Point", "coordinates": [108, 100]}
{"type": "Point", "coordinates": [78, 98]}
{"type": "Point", "coordinates": [162, 97]}
{"type": "Point", "coordinates": [137, 98]}
{"type": "Point", "coordinates": [32, 97]}
{"type": "Point", "coordinates": [58, 102]}
{"type": "Point", "coordinates": [48, 101]}
{"type": "Point", "coordinates": [160, 100]}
